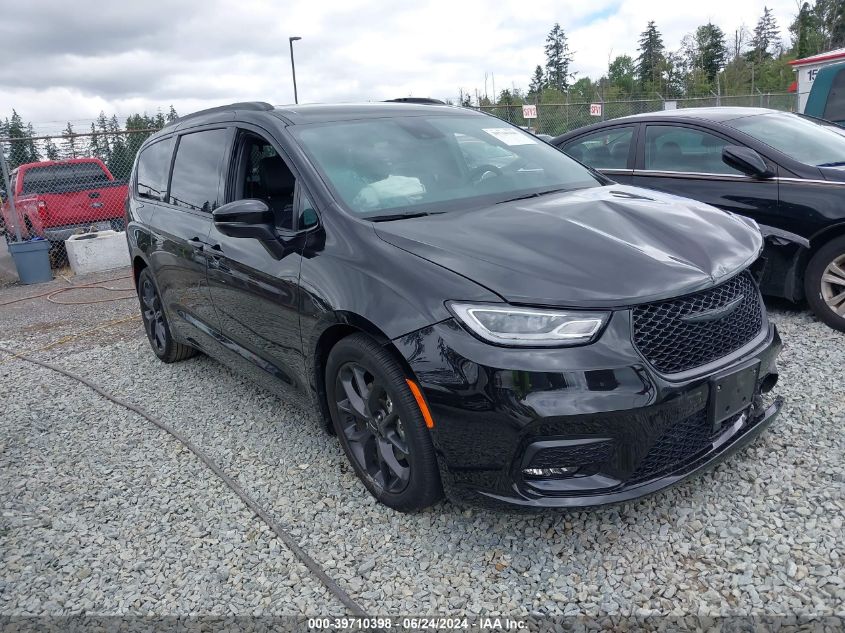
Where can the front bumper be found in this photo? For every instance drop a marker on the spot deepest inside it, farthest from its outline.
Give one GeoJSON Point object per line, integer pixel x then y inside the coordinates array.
{"type": "Point", "coordinates": [628, 430]}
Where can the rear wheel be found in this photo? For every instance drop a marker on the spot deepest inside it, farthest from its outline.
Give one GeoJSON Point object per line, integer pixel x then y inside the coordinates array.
{"type": "Point", "coordinates": [824, 283]}
{"type": "Point", "coordinates": [155, 323]}
{"type": "Point", "coordinates": [380, 425]}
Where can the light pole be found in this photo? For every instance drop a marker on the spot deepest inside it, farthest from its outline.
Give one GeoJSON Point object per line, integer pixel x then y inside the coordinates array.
{"type": "Point", "coordinates": [291, 40]}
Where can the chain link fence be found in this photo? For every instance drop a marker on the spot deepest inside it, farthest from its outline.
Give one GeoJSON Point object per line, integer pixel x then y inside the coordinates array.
{"type": "Point", "coordinates": [55, 188]}
{"type": "Point", "coordinates": [558, 118]}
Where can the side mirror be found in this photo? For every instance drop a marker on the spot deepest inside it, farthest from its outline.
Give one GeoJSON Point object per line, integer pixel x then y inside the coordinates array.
{"type": "Point", "coordinates": [746, 160]}
{"type": "Point", "coordinates": [245, 218]}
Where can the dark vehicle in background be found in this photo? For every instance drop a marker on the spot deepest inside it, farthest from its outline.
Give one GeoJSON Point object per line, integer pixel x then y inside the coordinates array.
{"type": "Point", "coordinates": [785, 171]}
{"type": "Point", "coordinates": [827, 96]}
{"type": "Point", "coordinates": [54, 199]}
{"type": "Point", "coordinates": [517, 331]}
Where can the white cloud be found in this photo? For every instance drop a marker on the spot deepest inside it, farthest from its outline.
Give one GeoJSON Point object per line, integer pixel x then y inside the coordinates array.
{"type": "Point", "coordinates": [69, 60]}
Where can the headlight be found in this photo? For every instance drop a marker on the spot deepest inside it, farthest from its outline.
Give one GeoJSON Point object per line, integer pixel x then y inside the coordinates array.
{"type": "Point", "coordinates": [529, 327]}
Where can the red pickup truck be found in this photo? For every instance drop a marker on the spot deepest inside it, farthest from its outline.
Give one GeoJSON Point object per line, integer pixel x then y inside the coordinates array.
{"type": "Point", "coordinates": [55, 198]}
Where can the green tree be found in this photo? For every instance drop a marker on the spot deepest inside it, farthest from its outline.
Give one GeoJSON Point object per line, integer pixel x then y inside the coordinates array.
{"type": "Point", "coordinates": [807, 32]}
{"type": "Point", "coordinates": [32, 149]}
{"type": "Point", "coordinates": [765, 41]}
{"type": "Point", "coordinates": [650, 62]}
{"type": "Point", "coordinates": [70, 144]}
{"type": "Point", "coordinates": [558, 58]}
{"type": "Point", "coordinates": [19, 153]}
{"type": "Point", "coordinates": [621, 73]}
{"type": "Point", "coordinates": [51, 152]}
{"type": "Point", "coordinates": [712, 51]}
{"type": "Point", "coordinates": [537, 83]}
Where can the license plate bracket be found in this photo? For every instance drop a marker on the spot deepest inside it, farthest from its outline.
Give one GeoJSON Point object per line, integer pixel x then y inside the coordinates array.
{"type": "Point", "coordinates": [731, 393]}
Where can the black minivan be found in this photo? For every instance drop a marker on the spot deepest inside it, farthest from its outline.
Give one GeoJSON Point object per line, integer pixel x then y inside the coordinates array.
{"type": "Point", "coordinates": [470, 310]}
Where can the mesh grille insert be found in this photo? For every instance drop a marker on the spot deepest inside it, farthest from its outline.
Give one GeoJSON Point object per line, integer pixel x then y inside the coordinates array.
{"type": "Point", "coordinates": [688, 332]}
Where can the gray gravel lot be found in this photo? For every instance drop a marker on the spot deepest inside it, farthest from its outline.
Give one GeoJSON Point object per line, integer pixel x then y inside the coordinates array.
{"type": "Point", "coordinates": [101, 512]}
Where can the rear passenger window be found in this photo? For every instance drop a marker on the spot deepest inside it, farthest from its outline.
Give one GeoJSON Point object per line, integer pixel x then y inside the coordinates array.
{"type": "Point", "coordinates": [834, 109]}
{"type": "Point", "coordinates": [197, 170]}
{"type": "Point", "coordinates": [682, 149]}
{"type": "Point", "coordinates": [153, 167]}
{"type": "Point", "coordinates": [607, 149]}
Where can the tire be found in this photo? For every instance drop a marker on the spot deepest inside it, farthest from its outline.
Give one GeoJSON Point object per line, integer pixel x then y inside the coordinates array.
{"type": "Point", "coordinates": [155, 323]}
{"type": "Point", "coordinates": [383, 434]}
{"type": "Point", "coordinates": [824, 294]}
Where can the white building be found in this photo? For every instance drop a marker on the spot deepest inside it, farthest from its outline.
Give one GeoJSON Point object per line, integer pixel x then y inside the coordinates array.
{"type": "Point", "coordinates": [807, 69]}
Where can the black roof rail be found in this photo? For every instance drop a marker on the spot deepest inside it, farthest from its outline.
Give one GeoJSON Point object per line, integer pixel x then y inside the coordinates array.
{"type": "Point", "coordinates": [258, 106]}
{"type": "Point", "coordinates": [425, 100]}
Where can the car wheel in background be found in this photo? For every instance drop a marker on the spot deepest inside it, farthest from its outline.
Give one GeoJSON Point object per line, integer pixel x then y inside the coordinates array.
{"type": "Point", "coordinates": [380, 425]}
{"type": "Point", "coordinates": [155, 323]}
{"type": "Point", "coordinates": [824, 283]}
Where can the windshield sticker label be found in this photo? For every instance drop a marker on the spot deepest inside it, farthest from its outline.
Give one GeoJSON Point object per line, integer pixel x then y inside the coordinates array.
{"type": "Point", "coordinates": [510, 136]}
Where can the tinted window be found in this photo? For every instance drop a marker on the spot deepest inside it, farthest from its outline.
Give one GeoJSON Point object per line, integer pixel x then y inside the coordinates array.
{"type": "Point", "coordinates": [669, 148]}
{"type": "Point", "coordinates": [434, 163]}
{"type": "Point", "coordinates": [834, 110]}
{"type": "Point", "coordinates": [62, 177]}
{"type": "Point", "coordinates": [153, 168]}
{"type": "Point", "coordinates": [265, 176]}
{"type": "Point", "coordinates": [195, 183]}
{"type": "Point", "coordinates": [801, 139]}
{"type": "Point", "coordinates": [607, 149]}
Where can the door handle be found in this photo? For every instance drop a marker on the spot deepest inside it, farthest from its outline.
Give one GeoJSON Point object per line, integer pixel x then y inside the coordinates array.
{"type": "Point", "coordinates": [197, 243]}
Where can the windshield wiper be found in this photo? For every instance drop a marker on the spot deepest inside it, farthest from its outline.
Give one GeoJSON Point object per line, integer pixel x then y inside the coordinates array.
{"type": "Point", "coordinates": [836, 163]}
{"type": "Point", "coordinates": [401, 216]}
{"type": "Point", "coordinates": [533, 194]}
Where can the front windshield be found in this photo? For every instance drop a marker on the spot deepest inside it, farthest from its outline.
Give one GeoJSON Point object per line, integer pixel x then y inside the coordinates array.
{"type": "Point", "coordinates": [431, 164]}
{"type": "Point", "coordinates": [804, 140]}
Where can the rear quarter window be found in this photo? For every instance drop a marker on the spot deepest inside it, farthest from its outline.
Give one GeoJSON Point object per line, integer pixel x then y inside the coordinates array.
{"type": "Point", "coordinates": [153, 169]}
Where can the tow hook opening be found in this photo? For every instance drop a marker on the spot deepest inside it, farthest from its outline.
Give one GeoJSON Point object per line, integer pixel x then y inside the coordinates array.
{"type": "Point", "coordinates": [768, 383]}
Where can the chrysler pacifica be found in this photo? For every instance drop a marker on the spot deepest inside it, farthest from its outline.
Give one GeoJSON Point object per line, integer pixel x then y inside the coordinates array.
{"type": "Point", "coordinates": [470, 310]}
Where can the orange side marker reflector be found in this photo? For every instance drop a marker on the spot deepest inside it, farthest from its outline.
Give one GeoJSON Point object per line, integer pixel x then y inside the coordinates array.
{"type": "Point", "coordinates": [429, 422]}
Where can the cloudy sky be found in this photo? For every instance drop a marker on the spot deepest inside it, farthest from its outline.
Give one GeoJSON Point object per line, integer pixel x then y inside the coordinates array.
{"type": "Point", "coordinates": [67, 60]}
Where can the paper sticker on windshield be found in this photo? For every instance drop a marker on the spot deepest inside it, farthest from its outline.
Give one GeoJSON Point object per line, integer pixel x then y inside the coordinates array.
{"type": "Point", "coordinates": [510, 136]}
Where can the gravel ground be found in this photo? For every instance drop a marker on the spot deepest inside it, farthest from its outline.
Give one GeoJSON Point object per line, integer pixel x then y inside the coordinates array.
{"type": "Point", "coordinates": [103, 513]}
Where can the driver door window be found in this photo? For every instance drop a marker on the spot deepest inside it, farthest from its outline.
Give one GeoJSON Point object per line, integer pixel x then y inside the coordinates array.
{"type": "Point", "coordinates": [264, 175]}
{"type": "Point", "coordinates": [683, 149]}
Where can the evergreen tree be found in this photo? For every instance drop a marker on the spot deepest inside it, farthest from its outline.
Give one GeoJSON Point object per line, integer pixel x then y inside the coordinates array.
{"type": "Point", "coordinates": [51, 152]}
{"type": "Point", "coordinates": [558, 58]}
{"type": "Point", "coordinates": [537, 83]}
{"type": "Point", "coordinates": [69, 136]}
{"type": "Point", "coordinates": [651, 61]}
{"type": "Point", "coordinates": [171, 115]}
{"type": "Point", "coordinates": [712, 51]}
{"type": "Point", "coordinates": [118, 164]}
{"type": "Point", "coordinates": [766, 38]}
{"type": "Point", "coordinates": [18, 147]}
{"type": "Point", "coordinates": [32, 149]}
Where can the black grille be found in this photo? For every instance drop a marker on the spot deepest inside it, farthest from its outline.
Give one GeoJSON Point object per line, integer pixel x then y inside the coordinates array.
{"type": "Point", "coordinates": [673, 344]}
{"type": "Point", "coordinates": [578, 455]}
{"type": "Point", "coordinates": [680, 443]}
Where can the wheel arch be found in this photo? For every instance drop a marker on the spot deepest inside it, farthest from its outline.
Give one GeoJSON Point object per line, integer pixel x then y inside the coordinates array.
{"type": "Point", "coordinates": [827, 234]}
{"type": "Point", "coordinates": [138, 264]}
{"type": "Point", "coordinates": [344, 324]}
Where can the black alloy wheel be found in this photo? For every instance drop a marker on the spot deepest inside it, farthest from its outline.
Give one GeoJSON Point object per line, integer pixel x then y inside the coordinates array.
{"type": "Point", "coordinates": [155, 323]}
{"type": "Point", "coordinates": [372, 427]}
{"type": "Point", "coordinates": [380, 425]}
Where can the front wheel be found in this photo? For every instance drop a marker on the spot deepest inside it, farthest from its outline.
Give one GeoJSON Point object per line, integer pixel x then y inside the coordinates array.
{"type": "Point", "coordinates": [824, 283]}
{"type": "Point", "coordinates": [380, 425]}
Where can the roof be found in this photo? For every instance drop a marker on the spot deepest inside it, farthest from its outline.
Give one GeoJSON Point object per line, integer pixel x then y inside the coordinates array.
{"type": "Point", "coordinates": [719, 113]}
{"type": "Point", "coordinates": [833, 55]}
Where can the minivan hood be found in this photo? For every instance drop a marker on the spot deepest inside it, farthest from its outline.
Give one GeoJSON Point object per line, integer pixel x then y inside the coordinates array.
{"type": "Point", "coordinates": [598, 247]}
